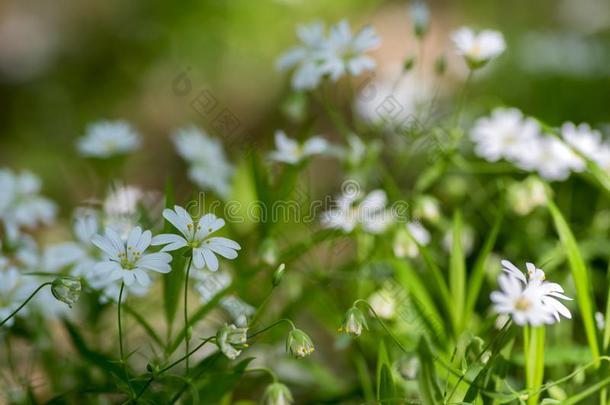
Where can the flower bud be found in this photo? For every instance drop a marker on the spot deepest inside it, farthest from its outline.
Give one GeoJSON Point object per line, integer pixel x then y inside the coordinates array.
{"type": "Point", "coordinates": [277, 394]}
{"type": "Point", "coordinates": [279, 273]}
{"type": "Point", "coordinates": [66, 289]}
{"type": "Point", "coordinates": [353, 322]}
{"type": "Point", "coordinates": [420, 17]}
{"type": "Point", "coordinates": [231, 340]}
{"type": "Point", "coordinates": [298, 344]}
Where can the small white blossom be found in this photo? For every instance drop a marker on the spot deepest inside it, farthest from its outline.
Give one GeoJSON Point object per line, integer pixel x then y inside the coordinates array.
{"type": "Point", "coordinates": [196, 236]}
{"type": "Point", "coordinates": [292, 152]}
{"type": "Point", "coordinates": [352, 209]}
{"type": "Point", "coordinates": [383, 303]}
{"type": "Point", "coordinates": [209, 167]}
{"type": "Point", "coordinates": [525, 196]}
{"type": "Point", "coordinates": [232, 340]}
{"type": "Point", "coordinates": [105, 139]}
{"type": "Point", "coordinates": [127, 260]}
{"type": "Point", "coordinates": [530, 300]}
{"type": "Point", "coordinates": [478, 48]}
{"type": "Point", "coordinates": [21, 204]}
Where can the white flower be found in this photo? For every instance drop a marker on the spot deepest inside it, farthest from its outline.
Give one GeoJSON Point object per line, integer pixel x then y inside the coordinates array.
{"type": "Point", "coordinates": [345, 52]}
{"type": "Point", "coordinates": [506, 133]}
{"type": "Point", "coordinates": [478, 48]}
{"type": "Point", "coordinates": [307, 57]}
{"type": "Point", "coordinates": [525, 196]}
{"type": "Point", "coordinates": [530, 300]}
{"type": "Point", "coordinates": [407, 240]}
{"type": "Point", "coordinates": [291, 152]}
{"type": "Point", "coordinates": [121, 208]}
{"type": "Point", "coordinates": [13, 290]}
{"type": "Point", "coordinates": [336, 55]}
{"type": "Point", "coordinates": [209, 167]}
{"type": "Point", "coordinates": [427, 208]}
{"type": "Point", "coordinates": [600, 320]}
{"type": "Point", "coordinates": [20, 202]}
{"type": "Point", "coordinates": [232, 340]}
{"type": "Point", "coordinates": [196, 236]}
{"type": "Point", "coordinates": [105, 139]}
{"type": "Point", "coordinates": [582, 138]}
{"type": "Point", "coordinates": [551, 158]}
{"type": "Point", "coordinates": [238, 309]}
{"type": "Point", "coordinates": [353, 210]}
{"type": "Point", "coordinates": [127, 260]}
{"type": "Point", "coordinates": [467, 239]}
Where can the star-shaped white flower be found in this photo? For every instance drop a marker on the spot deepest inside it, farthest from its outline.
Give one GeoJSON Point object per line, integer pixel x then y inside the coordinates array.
{"type": "Point", "coordinates": [105, 139]}
{"type": "Point", "coordinates": [478, 48]}
{"type": "Point", "coordinates": [292, 152]}
{"type": "Point", "coordinates": [196, 236]}
{"type": "Point", "coordinates": [127, 259]}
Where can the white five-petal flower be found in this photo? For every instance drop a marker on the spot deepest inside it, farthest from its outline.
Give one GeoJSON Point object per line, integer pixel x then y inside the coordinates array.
{"type": "Point", "coordinates": [292, 152]}
{"type": "Point", "coordinates": [196, 236]}
{"type": "Point", "coordinates": [478, 48]}
{"type": "Point", "coordinates": [127, 260]}
{"type": "Point", "coordinates": [105, 139]}
{"type": "Point", "coordinates": [352, 209]}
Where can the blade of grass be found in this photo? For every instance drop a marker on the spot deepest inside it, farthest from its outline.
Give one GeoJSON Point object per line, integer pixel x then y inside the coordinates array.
{"type": "Point", "coordinates": [534, 362]}
{"type": "Point", "coordinates": [581, 278]}
{"type": "Point", "coordinates": [478, 271]}
{"type": "Point", "coordinates": [437, 278]}
{"type": "Point", "coordinates": [457, 274]}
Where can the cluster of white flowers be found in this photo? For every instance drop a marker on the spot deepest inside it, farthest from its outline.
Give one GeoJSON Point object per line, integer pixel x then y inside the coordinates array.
{"type": "Point", "coordinates": [21, 204]}
{"type": "Point", "coordinates": [508, 134]}
{"type": "Point", "coordinates": [334, 55]}
{"type": "Point", "coordinates": [208, 165]}
{"type": "Point", "coordinates": [105, 139]}
{"type": "Point", "coordinates": [529, 300]}
{"type": "Point", "coordinates": [354, 209]}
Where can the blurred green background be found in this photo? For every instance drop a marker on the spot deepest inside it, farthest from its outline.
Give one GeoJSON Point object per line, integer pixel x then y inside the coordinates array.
{"type": "Point", "coordinates": [65, 64]}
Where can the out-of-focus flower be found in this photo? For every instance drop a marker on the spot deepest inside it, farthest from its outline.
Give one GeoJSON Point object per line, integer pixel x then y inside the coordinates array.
{"type": "Point", "coordinates": [530, 300]}
{"type": "Point", "coordinates": [478, 48]}
{"type": "Point", "coordinates": [345, 51]}
{"type": "Point", "coordinates": [21, 204]}
{"type": "Point", "coordinates": [551, 158]}
{"type": "Point", "coordinates": [525, 196]}
{"type": "Point", "coordinates": [13, 290]}
{"type": "Point", "coordinates": [298, 344]}
{"type": "Point", "coordinates": [467, 239]}
{"type": "Point", "coordinates": [353, 209]}
{"type": "Point", "coordinates": [127, 260]}
{"type": "Point", "coordinates": [406, 241]}
{"type": "Point", "coordinates": [277, 394]}
{"type": "Point", "coordinates": [353, 322]}
{"type": "Point", "coordinates": [105, 139]}
{"type": "Point", "coordinates": [66, 289]}
{"type": "Point", "coordinates": [338, 54]}
{"type": "Point", "coordinates": [121, 208]}
{"type": "Point", "coordinates": [209, 167]}
{"type": "Point", "coordinates": [420, 17]}
{"type": "Point", "coordinates": [600, 320]}
{"type": "Point", "coordinates": [196, 236]}
{"type": "Point", "coordinates": [505, 134]}
{"type": "Point", "coordinates": [383, 303]}
{"type": "Point", "coordinates": [428, 208]}
{"type": "Point", "coordinates": [232, 340]}
{"type": "Point", "coordinates": [238, 309]}
{"type": "Point", "coordinates": [291, 152]}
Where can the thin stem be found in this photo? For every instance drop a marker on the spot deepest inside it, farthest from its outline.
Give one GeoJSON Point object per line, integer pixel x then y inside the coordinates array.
{"type": "Point", "coordinates": [458, 111]}
{"type": "Point", "coordinates": [383, 325]}
{"type": "Point", "coordinates": [172, 365]}
{"type": "Point", "coordinates": [263, 370]}
{"type": "Point", "coordinates": [20, 307]}
{"type": "Point", "coordinates": [187, 334]}
{"type": "Point", "coordinates": [121, 350]}
{"type": "Point", "coordinates": [534, 363]}
{"type": "Point", "coordinates": [271, 326]}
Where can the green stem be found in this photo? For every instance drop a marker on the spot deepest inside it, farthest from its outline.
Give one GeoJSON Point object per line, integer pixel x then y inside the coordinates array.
{"type": "Point", "coordinates": [271, 326]}
{"type": "Point", "coordinates": [20, 307]}
{"type": "Point", "coordinates": [172, 365]}
{"type": "Point", "coordinates": [187, 333]}
{"type": "Point", "coordinates": [383, 325]}
{"type": "Point", "coordinates": [121, 350]}
{"type": "Point", "coordinates": [263, 370]}
{"type": "Point", "coordinates": [534, 363]}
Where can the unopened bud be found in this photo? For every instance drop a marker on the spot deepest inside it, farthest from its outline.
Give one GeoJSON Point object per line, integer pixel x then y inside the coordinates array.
{"type": "Point", "coordinates": [66, 289]}
{"type": "Point", "coordinates": [279, 273]}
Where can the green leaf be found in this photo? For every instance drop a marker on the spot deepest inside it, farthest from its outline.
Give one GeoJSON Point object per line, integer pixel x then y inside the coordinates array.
{"type": "Point", "coordinates": [428, 382]}
{"type": "Point", "coordinates": [534, 362]}
{"type": "Point", "coordinates": [581, 278]}
{"type": "Point", "coordinates": [457, 274]}
{"type": "Point", "coordinates": [385, 383]}
{"type": "Point", "coordinates": [478, 271]}
{"type": "Point", "coordinates": [428, 314]}
{"type": "Point", "coordinates": [437, 277]}
{"type": "Point", "coordinates": [172, 281]}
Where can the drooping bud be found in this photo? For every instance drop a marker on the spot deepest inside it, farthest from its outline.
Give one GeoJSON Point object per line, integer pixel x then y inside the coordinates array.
{"type": "Point", "coordinates": [231, 340]}
{"type": "Point", "coordinates": [353, 322]}
{"type": "Point", "coordinates": [66, 289]}
{"type": "Point", "coordinates": [298, 344]}
{"type": "Point", "coordinates": [277, 394]}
